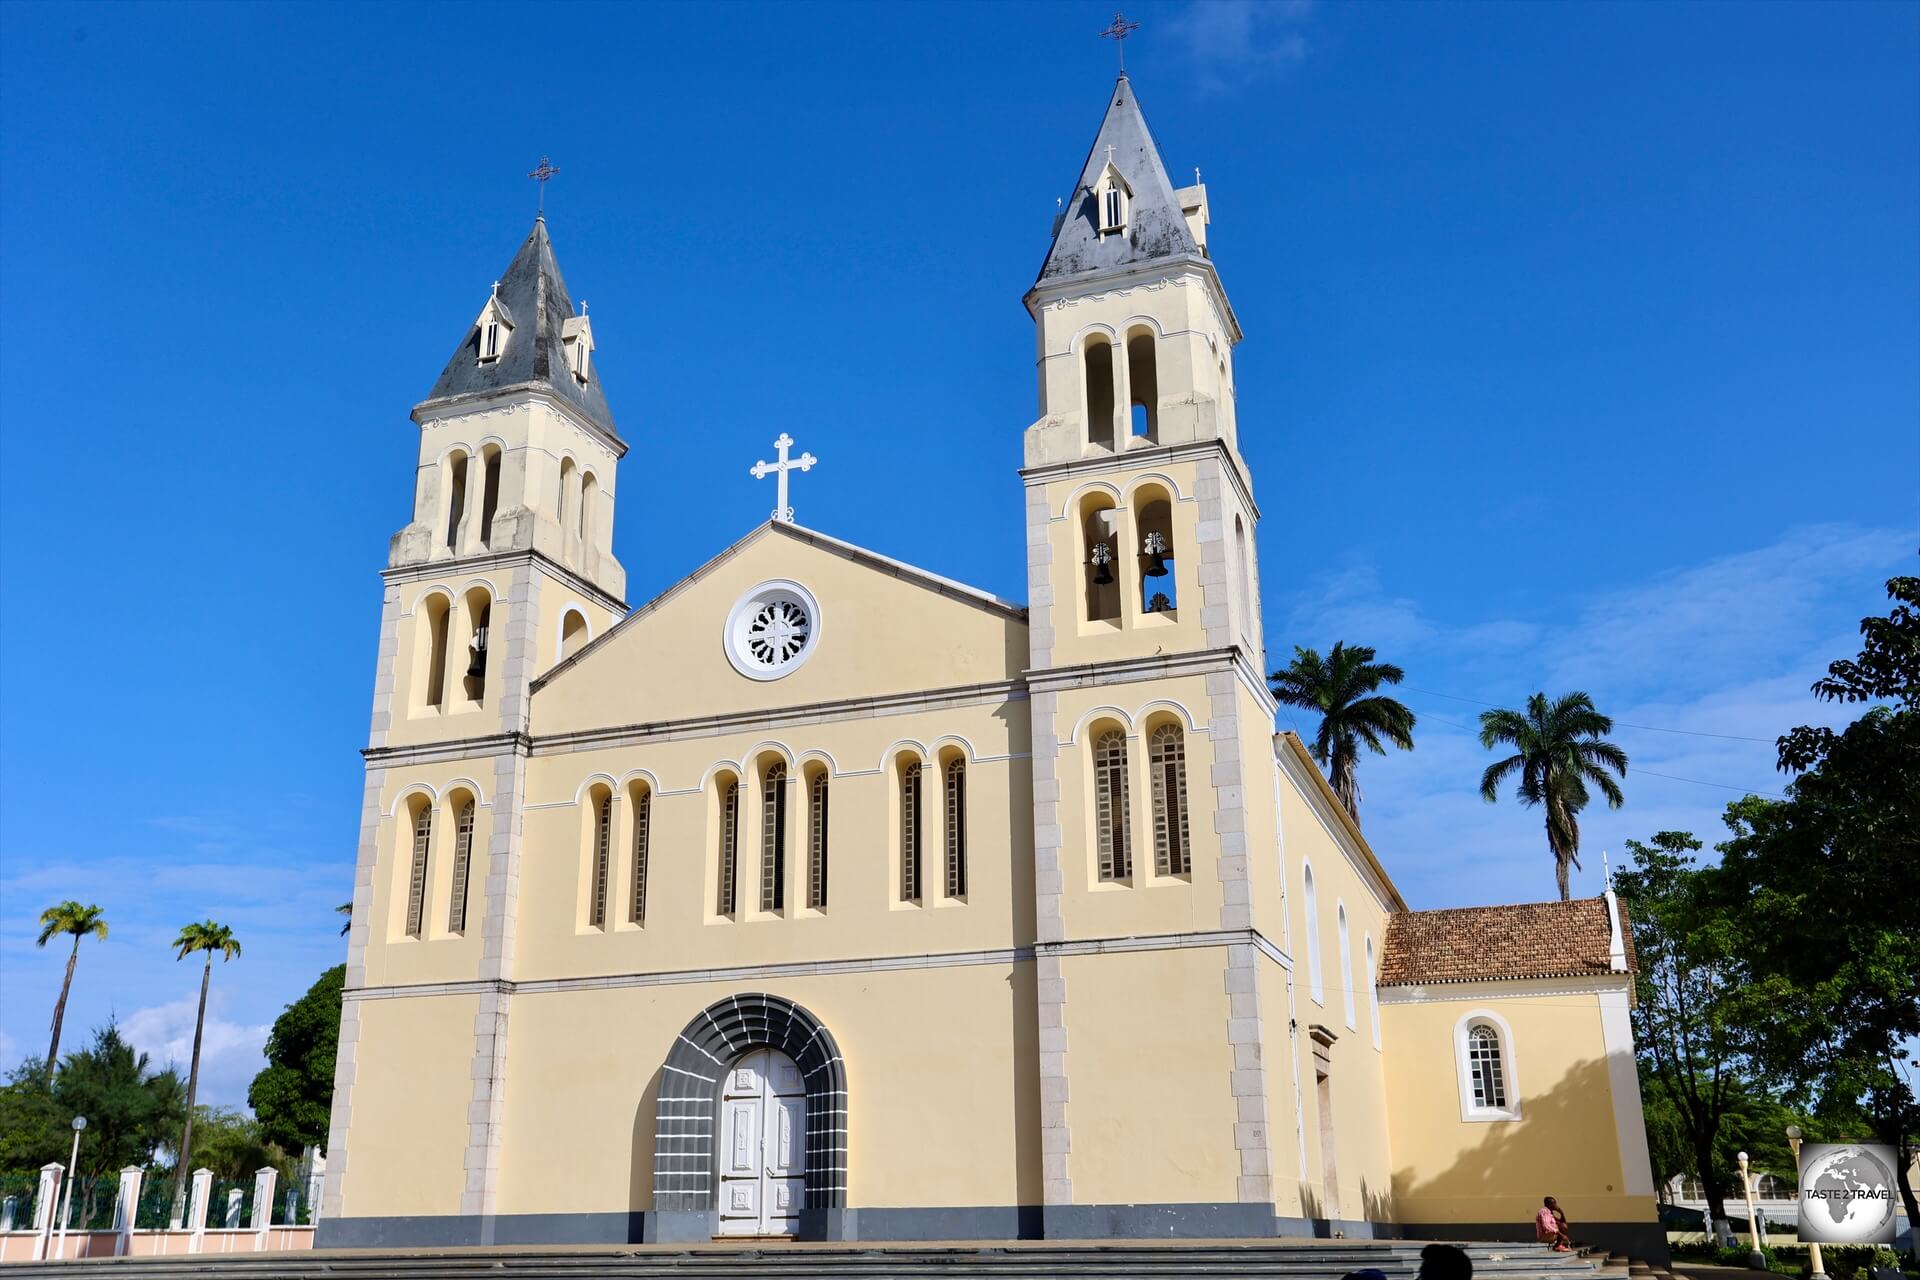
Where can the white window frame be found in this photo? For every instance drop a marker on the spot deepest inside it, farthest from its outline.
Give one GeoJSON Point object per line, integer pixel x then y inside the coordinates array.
{"type": "Point", "coordinates": [1346, 961]}
{"type": "Point", "coordinates": [1470, 1111]}
{"type": "Point", "coordinates": [1373, 992]}
{"type": "Point", "coordinates": [1310, 896]}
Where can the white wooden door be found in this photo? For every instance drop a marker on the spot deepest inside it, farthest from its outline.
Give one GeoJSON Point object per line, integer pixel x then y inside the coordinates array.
{"type": "Point", "coordinates": [763, 1124]}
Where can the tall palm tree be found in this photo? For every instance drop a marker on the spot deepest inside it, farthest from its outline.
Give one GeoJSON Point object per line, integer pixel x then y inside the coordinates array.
{"type": "Point", "coordinates": [345, 909]}
{"type": "Point", "coordinates": [1558, 750]}
{"type": "Point", "coordinates": [68, 917]}
{"type": "Point", "coordinates": [208, 937]}
{"type": "Point", "coordinates": [1342, 688]}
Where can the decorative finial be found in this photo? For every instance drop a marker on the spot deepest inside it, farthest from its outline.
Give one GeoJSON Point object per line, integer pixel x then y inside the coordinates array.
{"type": "Point", "coordinates": [583, 306]}
{"type": "Point", "coordinates": [761, 470]}
{"type": "Point", "coordinates": [1606, 869]}
{"type": "Point", "coordinates": [542, 175]}
{"type": "Point", "coordinates": [1118, 33]}
{"type": "Point", "coordinates": [1196, 175]}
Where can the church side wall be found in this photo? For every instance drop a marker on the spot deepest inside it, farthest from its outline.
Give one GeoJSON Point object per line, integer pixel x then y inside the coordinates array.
{"type": "Point", "coordinates": [409, 1118]}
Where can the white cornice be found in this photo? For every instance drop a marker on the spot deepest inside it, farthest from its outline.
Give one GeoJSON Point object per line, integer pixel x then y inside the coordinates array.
{"type": "Point", "coordinates": [427, 570]}
{"type": "Point", "coordinates": [428, 412]}
{"type": "Point", "coordinates": [1132, 460]}
{"type": "Point", "coordinates": [1505, 989]}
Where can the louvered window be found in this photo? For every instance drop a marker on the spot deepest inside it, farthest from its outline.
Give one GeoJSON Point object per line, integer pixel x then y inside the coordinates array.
{"type": "Point", "coordinates": [1167, 766]}
{"type": "Point", "coordinates": [462, 865]}
{"type": "Point", "coordinates": [1485, 1067]}
{"type": "Point", "coordinates": [642, 833]}
{"type": "Point", "coordinates": [1110, 805]}
{"type": "Point", "coordinates": [773, 839]}
{"type": "Point", "coordinates": [956, 827]}
{"type": "Point", "coordinates": [417, 878]}
{"type": "Point", "coordinates": [729, 821]}
{"type": "Point", "coordinates": [602, 856]}
{"type": "Point", "coordinates": [910, 833]}
{"type": "Point", "coordinates": [817, 842]}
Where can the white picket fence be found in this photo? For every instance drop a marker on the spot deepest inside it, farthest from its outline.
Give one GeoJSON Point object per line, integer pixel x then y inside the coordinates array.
{"type": "Point", "coordinates": [43, 1240]}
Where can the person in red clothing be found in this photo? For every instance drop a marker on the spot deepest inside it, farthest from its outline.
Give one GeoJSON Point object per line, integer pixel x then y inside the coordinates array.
{"type": "Point", "coordinates": [1551, 1224]}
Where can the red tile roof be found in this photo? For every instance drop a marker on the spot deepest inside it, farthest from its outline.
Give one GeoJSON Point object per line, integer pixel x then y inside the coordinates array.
{"type": "Point", "coordinates": [1477, 944]}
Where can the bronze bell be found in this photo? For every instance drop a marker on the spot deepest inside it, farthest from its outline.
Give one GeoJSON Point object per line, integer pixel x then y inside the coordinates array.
{"type": "Point", "coordinates": [477, 664]}
{"type": "Point", "coordinates": [1101, 558]}
{"type": "Point", "coordinates": [1156, 553]}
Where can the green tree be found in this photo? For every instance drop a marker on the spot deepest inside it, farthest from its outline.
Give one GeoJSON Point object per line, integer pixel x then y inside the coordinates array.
{"type": "Point", "coordinates": [205, 937]}
{"type": "Point", "coordinates": [1558, 750]}
{"type": "Point", "coordinates": [1824, 879]}
{"type": "Point", "coordinates": [32, 1130]}
{"type": "Point", "coordinates": [293, 1096]}
{"type": "Point", "coordinates": [231, 1144]}
{"type": "Point", "coordinates": [1343, 690]}
{"type": "Point", "coordinates": [130, 1109]}
{"type": "Point", "coordinates": [71, 918]}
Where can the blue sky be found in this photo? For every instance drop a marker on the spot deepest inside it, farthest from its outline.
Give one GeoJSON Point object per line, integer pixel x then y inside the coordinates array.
{"type": "Point", "coordinates": [1583, 351]}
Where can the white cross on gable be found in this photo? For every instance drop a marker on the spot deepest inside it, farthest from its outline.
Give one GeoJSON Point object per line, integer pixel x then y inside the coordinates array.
{"type": "Point", "coordinates": [761, 470]}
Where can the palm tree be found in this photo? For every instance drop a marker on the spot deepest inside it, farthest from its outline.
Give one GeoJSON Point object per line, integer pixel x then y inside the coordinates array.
{"type": "Point", "coordinates": [345, 909]}
{"type": "Point", "coordinates": [208, 937]}
{"type": "Point", "coordinates": [1558, 751]}
{"type": "Point", "coordinates": [1342, 689]}
{"type": "Point", "coordinates": [68, 917]}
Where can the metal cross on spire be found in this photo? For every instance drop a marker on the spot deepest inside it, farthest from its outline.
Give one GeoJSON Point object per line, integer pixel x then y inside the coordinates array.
{"type": "Point", "coordinates": [761, 470]}
{"type": "Point", "coordinates": [1118, 33]}
{"type": "Point", "coordinates": [543, 175]}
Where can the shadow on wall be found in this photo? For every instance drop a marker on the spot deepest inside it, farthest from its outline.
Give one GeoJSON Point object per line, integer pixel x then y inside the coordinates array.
{"type": "Point", "coordinates": [1546, 1153]}
{"type": "Point", "coordinates": [640, 1184]}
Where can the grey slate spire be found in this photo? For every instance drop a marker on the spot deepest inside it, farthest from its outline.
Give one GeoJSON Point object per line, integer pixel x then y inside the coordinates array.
{"type": "Point", "coordinates": [536, 303]}
{"type": "Point", "coordinates": [1156, 227]}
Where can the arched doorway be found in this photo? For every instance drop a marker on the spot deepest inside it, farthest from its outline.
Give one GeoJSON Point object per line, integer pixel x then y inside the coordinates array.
{"type": "Point", "coordinates": [763, 1120]}
{"type": "Point", "coordinates": [691, 1152]}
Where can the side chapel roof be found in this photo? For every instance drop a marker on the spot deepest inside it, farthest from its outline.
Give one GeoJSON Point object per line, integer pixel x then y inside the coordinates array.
{"type": "Point", "coordinates": [1477, 944]}
{"type": "Point", "coordinates": [534, 300]}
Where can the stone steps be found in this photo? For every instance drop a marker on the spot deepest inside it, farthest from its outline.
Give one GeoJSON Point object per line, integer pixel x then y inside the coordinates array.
{"type": "Point", "coordinates": [1303, 1260]}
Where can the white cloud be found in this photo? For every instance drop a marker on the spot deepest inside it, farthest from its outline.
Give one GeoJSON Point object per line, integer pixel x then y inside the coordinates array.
{"type": "Point", "coordinates": [1234, 42]}
{"type": "Point", "coordinates": [231, 1054]}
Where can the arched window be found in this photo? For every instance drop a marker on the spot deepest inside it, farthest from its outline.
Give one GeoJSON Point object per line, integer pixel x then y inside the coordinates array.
{"type": "Point", "coordinates": [567, 510]}
{"type": "Point", "coordinates": [817, 842]}
{"type": "Point", "coordinates": [956, 814]}
{"type": "Point", "coordinates": [489, 494]}
{"type": "Point", "coordinates": [1311, 900]}
{"type": "Point", "coordinates": [602, 837]}
{"type": "Point", "coordinates": [437, 611]}
{"type": "Point", "coordinates": [1110, 808]}
{"type": "Point", "coordinates": [1244, 569]}
{"type": "Point", "coordinates": [1373, 994]}
{"type": "Point", "coordinates": [1100, 526]}
{"type": "Point", "coordinates": [1483, 1051]}
{"type": "Point", "coordinates": [1143, 386]}
{"type": "Point", "coordinates": [479, 615]}
{"type": "Point", "coordinates": [1159, 587]}
{"type": "Point", "coordinates": [1096, 365]}
{"type": "Point", "coordinates": [773, 838]}
{"type": "Point", "coordinates": [910, 832]}
{"type": "Point", "coordinates": [1346, 961]}
{"type": "Point", "coordinates": [573, 633]}
{"type": "Point", "coordinates": [462, 864]}
{"type": "Point", "coordinates": [1114, 216]}
{"type": "Point", "coordinates": [640, 800]}
{"type": "Point", "coordinates": [1167, 772]}
{"type": "Point", "coordinates": [417, 874]}
{"type": "Point", "coordinates": [1485, 1068]}
{"type": "Point", "coordinates": [456, 499]}
{"type": "Point", "coordinates": [589, 504]}
{"type": "Point", "coordinates": [729, 840]}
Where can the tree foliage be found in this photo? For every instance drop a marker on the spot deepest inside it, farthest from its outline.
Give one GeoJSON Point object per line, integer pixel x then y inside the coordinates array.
{"type": "Point", "coordinates": [1343, 690]}
{"type": "Point", "coordinates": [234, 1146]}
{"type": "Point", "coordinates": [131, 1109]}
{"type": "Point", "coordinates": [293, 1096]}
{"type": "Point", "coordinates": [1558, 750]}
{"type": "Point", "coordinates": [68, 917]}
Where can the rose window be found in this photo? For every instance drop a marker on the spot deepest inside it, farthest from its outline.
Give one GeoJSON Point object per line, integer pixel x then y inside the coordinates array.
{"type": "Point", "coordinates": [777, 632]}
{"type": "Point", "coordinates": [772, 630]}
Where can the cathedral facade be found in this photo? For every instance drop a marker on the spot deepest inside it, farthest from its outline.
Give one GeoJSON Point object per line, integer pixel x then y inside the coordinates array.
{"type": "Point", "coordinates": [824, 897]}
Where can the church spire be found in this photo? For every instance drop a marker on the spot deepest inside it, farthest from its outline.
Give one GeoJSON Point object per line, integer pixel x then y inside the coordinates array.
{"type": "Point", "coordinates": [527, 335]}
{"type": "Point", "coordinates": [1123, 211]}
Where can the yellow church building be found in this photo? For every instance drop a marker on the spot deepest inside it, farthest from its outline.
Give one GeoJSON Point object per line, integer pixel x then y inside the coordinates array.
{"type": "Point", "coordinates": [823, 897]}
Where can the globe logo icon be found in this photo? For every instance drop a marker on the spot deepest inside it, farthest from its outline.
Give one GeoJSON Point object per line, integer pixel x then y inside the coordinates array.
{"type": "Point", "coordinates": [1847, 1193]}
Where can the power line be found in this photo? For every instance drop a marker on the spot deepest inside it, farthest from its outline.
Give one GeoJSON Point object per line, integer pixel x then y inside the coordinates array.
{"type": "Point", "coordinates": [1651, 728]}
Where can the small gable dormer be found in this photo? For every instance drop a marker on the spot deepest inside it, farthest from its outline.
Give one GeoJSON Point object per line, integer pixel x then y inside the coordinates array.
{"type": "Point", "coordinates": [1112, 200]}
{"type": "Point", "coordinates": [493, 328]}
{"type": "Point", "coordinates": [576, 335]}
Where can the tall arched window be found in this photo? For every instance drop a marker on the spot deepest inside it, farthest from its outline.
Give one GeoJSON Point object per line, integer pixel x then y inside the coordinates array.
{"type": "Point", "coordinates": [956, 815]}
{"type": "Point", "coordinates": [640, 800]}
{"type": "Point", "coordinates": [589, 500]}
{"type": "Point", "coordinates": [479, 618]}
{"type": "Point", "coordinates": [1143, 386]}
{"type": "Point", "coordinates": [1167, 771]}
{"type": "Point", "coordinates": [1373, 994]}
{"type": "Point", "coordinates": [567, 511]}
{"type": "Point", "coordinates": [1159, 574]}
{"type": "Point", "coordinates": [1097, 368]}
{"type": "Point", "coordinates": [1102, 562]}
{"type": "Point", "coordinates": [417, 874]}
{"type": "Point", "coordinates": [438, 614]}
{"type": "Point", "coordinates": [773, 838]}
{"type": "Point", "coordinates": [1243, 555]}
{"type": "Point", "coordinates": [1110, 808]}
{"type": "Point", "coordinates": [910, 832]}
{"type": "Point", "coordinates": [462, 864]}
{"type": "Point", "coordinates": [489, 493]}
{"type": "Point", "coordinates": [573, 633]}
{"type": "Point", "coordinates": [817, 842]}
{"type": "Point", "coordinates": [729, 842]}
{"type": "Point", "coordinates": [1485, 1068]}
{"type": "Point", "coordinates": [1346, 961]}
{"type": "Point", "coordinates": [456, 498]}
{"type": "Point", "coordinates": [1310, 898]}
{"type": "Point", "coordinates": [602, 858]}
